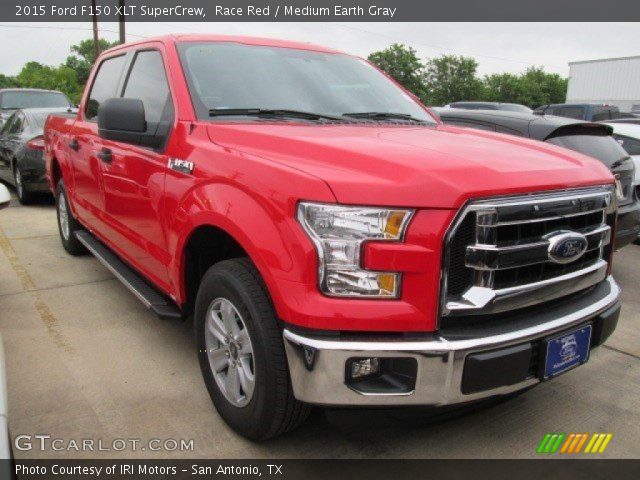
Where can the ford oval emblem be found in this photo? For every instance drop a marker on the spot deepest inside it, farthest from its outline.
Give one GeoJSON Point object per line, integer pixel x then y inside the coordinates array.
{"type": "Point", "coordinates": [566, 247]}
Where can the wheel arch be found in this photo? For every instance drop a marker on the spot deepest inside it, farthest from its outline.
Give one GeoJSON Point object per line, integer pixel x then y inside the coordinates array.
{"type": "Point", "coordinates": [55, 173]}
{"type": "Point", "coordinates": [224, 216]}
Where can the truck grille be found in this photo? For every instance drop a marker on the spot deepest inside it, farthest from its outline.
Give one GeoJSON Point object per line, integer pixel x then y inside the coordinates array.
{"type": "Point", "coordinates": [502, 254]}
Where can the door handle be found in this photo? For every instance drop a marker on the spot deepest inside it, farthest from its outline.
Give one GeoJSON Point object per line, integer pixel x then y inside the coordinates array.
{"type": "Point", "coordinates": [74, 145]}
{"type": "Point", "coordinates": [105, 155]}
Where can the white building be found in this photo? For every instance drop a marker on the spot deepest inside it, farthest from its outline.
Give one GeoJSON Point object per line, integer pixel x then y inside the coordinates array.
{"type": "Point", "coordinates": [613, 81]}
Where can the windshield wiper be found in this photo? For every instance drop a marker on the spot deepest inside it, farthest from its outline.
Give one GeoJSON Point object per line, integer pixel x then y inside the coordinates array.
{"type": "Point", "coordinates": [383, 116]}
{"type": "Point", "coordinates": [270, 112]}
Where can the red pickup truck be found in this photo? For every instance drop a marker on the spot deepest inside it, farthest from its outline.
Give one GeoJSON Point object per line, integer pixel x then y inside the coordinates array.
{"type": "Point", "coordinates": [335, 244]}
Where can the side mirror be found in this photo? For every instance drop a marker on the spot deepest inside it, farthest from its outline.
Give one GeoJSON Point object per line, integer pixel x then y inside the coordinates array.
{"type": "Point", "coordinates": [123, 120]}
{"type": "Point", "coordinates": [5, 197]}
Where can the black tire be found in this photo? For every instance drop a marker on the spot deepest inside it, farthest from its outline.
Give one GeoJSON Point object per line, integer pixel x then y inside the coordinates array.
{"type": "Point", "coordinates": [68, 238]}
{"type": "Point", "coordinates": [272, 409]}
{"type": "Point", "coordinates": [25, 197]}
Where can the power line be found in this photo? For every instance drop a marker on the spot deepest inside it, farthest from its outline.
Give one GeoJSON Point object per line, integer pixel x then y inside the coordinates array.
{"type": "Point", "coordinates": [69, 28]}
{"type": "Point", "coordinates": [442, 48]}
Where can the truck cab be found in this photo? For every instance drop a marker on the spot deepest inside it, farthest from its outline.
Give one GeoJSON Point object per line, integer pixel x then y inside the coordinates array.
{"type": "Point", "coordinates": [590, 112]}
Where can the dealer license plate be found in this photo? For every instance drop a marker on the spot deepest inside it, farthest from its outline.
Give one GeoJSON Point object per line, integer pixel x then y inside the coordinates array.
{"type": "Point", "coordinates": [566, 351]}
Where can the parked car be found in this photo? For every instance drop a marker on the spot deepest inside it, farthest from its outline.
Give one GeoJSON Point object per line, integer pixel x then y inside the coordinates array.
{"type": "Point", "coordinates": [509, 107]}
{"type": "Point", "coordinates": [335, 244]}
{"type": "Point", "coordinates": [21, 152]}
{"type": "Point", "coordinates": [628, 136]}
{"type": "Point", "coordinates": [12, 99]}
{"type": "Point", "coordinates": [593, 139]}
{"type": "Point", "coordinates": [580, 111]}
{"type": "Point", "coordinates": [5, 197]}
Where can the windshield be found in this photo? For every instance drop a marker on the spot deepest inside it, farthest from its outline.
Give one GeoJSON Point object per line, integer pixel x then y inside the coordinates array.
{"type": "Point", "coordinates": [236, 76]}
{"type": "Point", "coordinates": [28, 99]}
{"type": "Point", "coordinates": [604, 148]}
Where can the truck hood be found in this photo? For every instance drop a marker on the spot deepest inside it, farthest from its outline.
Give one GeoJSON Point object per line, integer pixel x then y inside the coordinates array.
{"type": "Point", "coordinates": [415, 166]}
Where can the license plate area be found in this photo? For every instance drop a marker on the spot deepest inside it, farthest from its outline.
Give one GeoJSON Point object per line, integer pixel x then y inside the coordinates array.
{"type": "Point", "coordinates": [566, 351]}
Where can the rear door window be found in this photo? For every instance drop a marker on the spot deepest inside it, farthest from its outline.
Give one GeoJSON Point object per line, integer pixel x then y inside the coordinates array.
{"type": "Point", "coordinates": [601, 113]}
{"type": "Point", "coordinates": [631, 145]}
{"type": "Point", "coordinates": [8, 125]}
{"type": "Point", "coordinates": [569, 112]}
{"type": "Point", "coordinates": [18, 123]}
{"type": "Point", "coordinates": [105, 85]}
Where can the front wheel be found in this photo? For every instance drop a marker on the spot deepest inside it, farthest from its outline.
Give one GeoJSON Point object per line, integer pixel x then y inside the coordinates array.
{"type": "Point", "coordinates": [67, 223]}
{"type": "Point", "coordinates": [241, 352]}
{"type": "Point", "coordinates": [25, 197]}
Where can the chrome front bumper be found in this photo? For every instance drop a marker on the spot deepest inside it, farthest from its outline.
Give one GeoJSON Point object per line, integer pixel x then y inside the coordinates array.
{"type": "Point", "coordinates": [317, 365]}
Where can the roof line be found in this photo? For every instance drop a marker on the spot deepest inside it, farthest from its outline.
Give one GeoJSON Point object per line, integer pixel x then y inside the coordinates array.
{"type": "Point", "coordinates": [605, 59]}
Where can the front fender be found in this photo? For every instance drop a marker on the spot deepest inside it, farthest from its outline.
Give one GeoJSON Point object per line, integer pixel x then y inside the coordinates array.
{"type": "Point", "coordinates": [265, 227]}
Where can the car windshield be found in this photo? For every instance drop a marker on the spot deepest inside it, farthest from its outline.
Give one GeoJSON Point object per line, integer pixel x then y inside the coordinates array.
{"type": "Point", "coordinates": [602, 147]}
{"type": "Point", "coordinates": [13, 100]}
{"type": "Point", "coordinates": [232, 76]}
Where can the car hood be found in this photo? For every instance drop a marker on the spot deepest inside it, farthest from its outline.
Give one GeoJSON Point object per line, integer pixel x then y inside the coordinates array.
{"type": "Point", "coordinates": [418, 166]}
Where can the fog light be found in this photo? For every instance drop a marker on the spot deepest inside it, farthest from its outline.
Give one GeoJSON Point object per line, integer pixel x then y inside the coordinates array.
{"type": "Point", "coordinates": [364, 367]}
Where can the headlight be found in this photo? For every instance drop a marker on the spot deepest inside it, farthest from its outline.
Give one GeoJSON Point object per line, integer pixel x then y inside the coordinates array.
{"type": "Point", "coordinates": [624, 175]}
{"type": "Point", "coordinates": [338, 233]}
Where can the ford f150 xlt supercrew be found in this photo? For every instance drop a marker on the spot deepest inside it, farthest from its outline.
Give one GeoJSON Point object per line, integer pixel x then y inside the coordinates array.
{"type": "Point", "coordinates": [334, 243]}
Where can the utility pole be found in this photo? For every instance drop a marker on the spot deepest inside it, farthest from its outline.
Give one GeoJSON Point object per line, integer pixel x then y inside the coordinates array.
{"type": "Point", "coordinates": [96, 45]}
{"type": "Point", "coordinates": [123, 37]}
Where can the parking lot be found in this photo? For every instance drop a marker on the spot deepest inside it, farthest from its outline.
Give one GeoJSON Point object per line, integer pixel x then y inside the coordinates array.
{"type": "Point", "coordinates": [86, 360]}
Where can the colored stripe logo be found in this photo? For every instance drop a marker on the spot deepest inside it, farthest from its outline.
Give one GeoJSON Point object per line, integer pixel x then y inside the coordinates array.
{"type": "Point", "coordinates": [574, 443]}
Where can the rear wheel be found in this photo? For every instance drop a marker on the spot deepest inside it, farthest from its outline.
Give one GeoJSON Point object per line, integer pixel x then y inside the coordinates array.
{"type": "Point", "coordinates": [25, 197]}
{"type": "Point", "coordinates": [241, 352]}
{"type": "Point", "coordinates": [67, 223]}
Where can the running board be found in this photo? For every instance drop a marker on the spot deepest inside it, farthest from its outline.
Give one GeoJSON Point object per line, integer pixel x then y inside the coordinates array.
{"type": "Point", "coordinates": [154, 300]}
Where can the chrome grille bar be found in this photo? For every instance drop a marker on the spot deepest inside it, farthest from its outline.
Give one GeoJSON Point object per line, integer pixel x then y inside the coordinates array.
{"type": "Point", "coordinates": [510, 264]}
{"type": "Point", "coordinates": [493, 257]}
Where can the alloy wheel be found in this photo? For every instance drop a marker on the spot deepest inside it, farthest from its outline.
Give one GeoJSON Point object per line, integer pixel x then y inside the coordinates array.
{"type": "Point", "coordinates": [230, 352]}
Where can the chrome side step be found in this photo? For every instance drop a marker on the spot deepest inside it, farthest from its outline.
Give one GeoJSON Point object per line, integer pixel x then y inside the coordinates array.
{"type": "Point", "coordinates": [154, 300]}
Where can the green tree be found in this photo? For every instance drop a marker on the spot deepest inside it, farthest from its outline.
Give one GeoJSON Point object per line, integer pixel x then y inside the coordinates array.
{"type": "Point", "coordinates": [83, 57]}
{"type": "Point", "coordinates": [37, 75]}
{"type": "Point", "coordinates": [7, 82]}
{"type": "Point", "coordinates": [503, 87]}
{"type": "Point", "coordinates": [403, 65]}
{"type": "Point", "coordinates": [540, 87]}
{"type": "Point", "coordinates": [452, 78]}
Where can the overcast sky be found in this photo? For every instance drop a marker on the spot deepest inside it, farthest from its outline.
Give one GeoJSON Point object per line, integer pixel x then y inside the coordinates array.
{"type": "Point", "coordinates": [498, 47]}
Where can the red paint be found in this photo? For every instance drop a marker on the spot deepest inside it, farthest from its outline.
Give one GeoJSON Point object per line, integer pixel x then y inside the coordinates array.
{"type": "Point", "coordinates": [249, 177]}
{"type": "Point", "coordinates": [36, 143]}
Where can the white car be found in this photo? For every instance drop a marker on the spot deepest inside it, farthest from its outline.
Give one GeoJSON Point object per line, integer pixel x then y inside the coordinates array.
{"type": "Point", "coordinates": [5, 197]}
{"type": "Point", "coordinates": [628, 135]}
